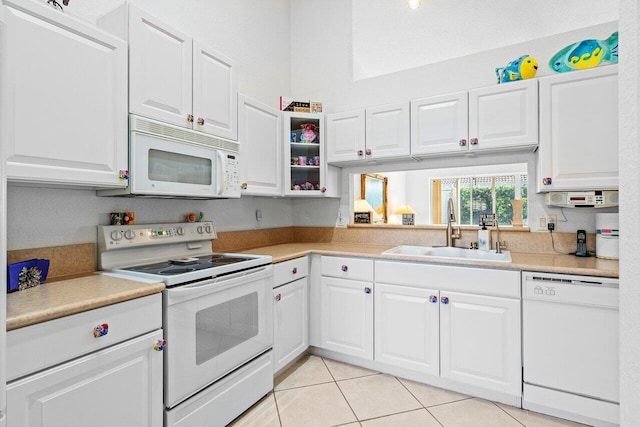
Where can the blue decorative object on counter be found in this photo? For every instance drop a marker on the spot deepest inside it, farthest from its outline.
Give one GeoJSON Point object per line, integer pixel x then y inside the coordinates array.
{"type": "Point", "coordinates": [585, 54]}
{"type": "Point", "coordinates": [26, 274]}
{"type": "Point", "coordinates": [522, 68]}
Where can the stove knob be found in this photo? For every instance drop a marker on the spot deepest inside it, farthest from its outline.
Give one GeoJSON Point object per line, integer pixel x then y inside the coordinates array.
{"type": "Point", "coordinates": [207, 229]}
{"type": "Point", "coordinates": [129, 235]}
{"type": "Point", "coordinates": [199, 229]}
{"type": "Point", "coordinates": [115, 235]}
{"type": "Point", "coordinates": [180, 231]}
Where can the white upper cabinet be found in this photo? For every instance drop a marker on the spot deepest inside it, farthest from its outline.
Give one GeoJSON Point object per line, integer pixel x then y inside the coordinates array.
{"type": "Point", "coordinates": [214, 92]}
{"type": "Point", "coordinates": [345, 136]}
{"type": "Point", "coordinates": [504, 116]}
{"type": "Point", "coordinates": [161, 61]}
{"type": "Point", "coordinates": [579, 130]}
{"type": "Point", "coordinates": [377, 133]}
{"type": "Point", "coordinates": [495, 117]}
{"type": "Point", "coordinates": [179, 80]}
{"type": "Point", "coordinates": [261, 148]}
{"type": "Point", "coordinates": [439, 124]}
{"type": "Point", "coordinates": [388, 131]}
{"type": "Point", "coordinates": [63, 108]}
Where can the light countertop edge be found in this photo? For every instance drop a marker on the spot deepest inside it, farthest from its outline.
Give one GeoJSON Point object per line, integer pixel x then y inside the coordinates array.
{"type": "Point", "coordinates": [57, 299]}
{"type": "Point", "coordinates": [549, 263]}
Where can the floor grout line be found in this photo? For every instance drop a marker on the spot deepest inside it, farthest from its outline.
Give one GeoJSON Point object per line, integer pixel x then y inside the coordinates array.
{"type": "Point", "coordinates": [500, 407]}
{"type": "Point", "coordinates": [341, 392]}
{"type": "Point", "coordinates": [302, 386]}
{"type": "Point", "coordinates": [423, 406]}
{"type": "Point", "coordinates": [277, 408]}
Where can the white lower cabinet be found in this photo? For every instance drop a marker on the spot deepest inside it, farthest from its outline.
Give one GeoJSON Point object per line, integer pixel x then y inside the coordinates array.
{"type": "Point", "coordinates": [346, 313]}
{"type": "Point", "coordinates": [62, 373]}
{"type": "Point", "coordinates": [346, 306]}
{"type": "Point", "coordinates": [459, 323]}
{"type": "Point", "coordinates": [290, 311]}
{"type": "Point", "coordinates": [291, 320]}
{"type": "Point", "coordinates": [407, 323]}
{"type": "Point", "coordinates": [118, 386]}
{"type": "Point", "coordinates": [480, 341]}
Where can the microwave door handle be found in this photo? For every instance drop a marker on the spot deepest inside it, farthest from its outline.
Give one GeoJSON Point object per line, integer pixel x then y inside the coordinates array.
{"type": "Point", "coordinates": [220, 172]}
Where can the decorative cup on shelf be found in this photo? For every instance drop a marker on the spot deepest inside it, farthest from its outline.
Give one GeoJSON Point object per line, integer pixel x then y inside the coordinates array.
{"type": "Point", "coordinates": [316, 160]}
{"type": "Point", "coordinates": [115, 218]}
{"type": "Point", "coordinates": [294, 160]}
{"type": "Point", "coordinates": [302, 160]}
{"type": "Point", "coordinates": [128, 218]}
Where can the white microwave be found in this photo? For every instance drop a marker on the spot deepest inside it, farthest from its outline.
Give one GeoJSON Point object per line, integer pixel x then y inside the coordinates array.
{"type": "Point", "coordinates": [170, 161]}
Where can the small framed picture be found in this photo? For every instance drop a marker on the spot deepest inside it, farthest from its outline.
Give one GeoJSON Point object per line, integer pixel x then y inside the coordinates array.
{"type": "Point", "coordinates": [362, 217]}
{"type": "Point", "coordinates": [408, 219]}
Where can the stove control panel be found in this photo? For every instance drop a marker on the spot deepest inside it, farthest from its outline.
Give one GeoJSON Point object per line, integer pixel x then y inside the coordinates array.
{"type": "Point", "coordinates": [119, 236]}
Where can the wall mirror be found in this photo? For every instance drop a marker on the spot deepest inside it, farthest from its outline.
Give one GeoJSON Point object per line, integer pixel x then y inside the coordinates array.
{"type": "Point", "coordinates": [425, 193]}
{"type": "Point", "coordinates": [373, 189]}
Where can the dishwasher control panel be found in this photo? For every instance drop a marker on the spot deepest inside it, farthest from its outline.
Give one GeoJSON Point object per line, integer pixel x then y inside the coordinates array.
{"type": "Point", "coordinates": [570, 289]}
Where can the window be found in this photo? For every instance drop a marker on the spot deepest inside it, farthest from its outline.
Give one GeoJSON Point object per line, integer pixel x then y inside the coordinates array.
{"type": "Point", "coordinates": [473, 196]}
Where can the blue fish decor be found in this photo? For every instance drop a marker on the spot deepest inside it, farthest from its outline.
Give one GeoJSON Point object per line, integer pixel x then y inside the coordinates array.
{"type": "Point", "coordinates": [585, 54]}
{"type": "Point", "coordinates": [522, 68]}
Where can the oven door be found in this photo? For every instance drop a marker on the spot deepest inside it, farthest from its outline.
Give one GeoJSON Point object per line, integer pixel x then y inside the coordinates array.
{"type": "Point", "coordinates": [214, 326]}
{"type": "Point", "coordinates": [166, 167]}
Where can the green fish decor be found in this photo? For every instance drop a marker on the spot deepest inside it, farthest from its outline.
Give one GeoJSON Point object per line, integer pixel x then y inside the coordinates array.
{"type": "Point", "coordinates": [522, 68]}
{"type": "Point", "coordinates": [585, 54]}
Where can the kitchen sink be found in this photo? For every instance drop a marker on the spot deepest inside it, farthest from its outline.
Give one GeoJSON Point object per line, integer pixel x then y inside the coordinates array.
{"type": "Point", "coordinates": [449, 253]}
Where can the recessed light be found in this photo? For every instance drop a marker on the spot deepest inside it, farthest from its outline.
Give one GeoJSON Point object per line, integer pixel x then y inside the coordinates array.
{"type": "Point", "coordinates": [414, 4]}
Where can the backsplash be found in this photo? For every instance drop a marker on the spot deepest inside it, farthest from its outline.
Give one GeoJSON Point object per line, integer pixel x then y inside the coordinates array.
{"type": "Point", "coordinates": [65, 261]}
{"type": "Point", "coordinates": [79, 259]}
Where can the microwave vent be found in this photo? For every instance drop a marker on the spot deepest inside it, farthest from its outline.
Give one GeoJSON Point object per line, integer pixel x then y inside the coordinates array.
{"type": "Point", "coordinates": [152, 127]}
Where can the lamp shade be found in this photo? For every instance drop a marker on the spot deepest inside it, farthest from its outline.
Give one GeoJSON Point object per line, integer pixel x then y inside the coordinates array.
{"type": "Point", "coordinates": [404, 209]}
{"type": "Point", "coordinates": [362, 206]}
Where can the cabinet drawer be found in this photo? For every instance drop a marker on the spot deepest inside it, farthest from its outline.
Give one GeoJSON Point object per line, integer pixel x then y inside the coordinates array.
{"type": "Point", "coordinates": [39, 346]}
{"type": "Point", "coordinates": [288, 271]}
{"type": "Point", "coordinates": [347, 268]}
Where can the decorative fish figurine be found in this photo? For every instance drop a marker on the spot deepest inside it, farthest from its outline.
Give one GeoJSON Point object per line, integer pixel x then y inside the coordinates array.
{"type": "Point", "coordinates": [522, 68]}
{"type": "Point", "coordinates": [585, 54]}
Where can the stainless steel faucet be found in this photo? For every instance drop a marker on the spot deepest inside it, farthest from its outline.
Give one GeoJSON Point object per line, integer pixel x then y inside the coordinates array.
{"type": "Point", "coordinates": [451, 236]}
{"type": "Point", "coordinates": [500, 246]}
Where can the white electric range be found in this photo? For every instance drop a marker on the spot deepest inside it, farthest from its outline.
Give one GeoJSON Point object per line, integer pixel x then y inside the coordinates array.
{"type": "Point", "coordinates": [217, 316]}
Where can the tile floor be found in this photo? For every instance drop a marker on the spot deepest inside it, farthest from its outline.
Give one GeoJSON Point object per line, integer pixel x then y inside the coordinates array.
{"type": "Point", "coordinates": [322, 392]}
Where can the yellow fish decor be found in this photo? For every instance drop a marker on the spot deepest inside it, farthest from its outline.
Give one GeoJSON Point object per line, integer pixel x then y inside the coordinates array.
{"type": "Point", "coordinates": [522, 68]}
{"type": "Point", "coordinates": [585, 54]}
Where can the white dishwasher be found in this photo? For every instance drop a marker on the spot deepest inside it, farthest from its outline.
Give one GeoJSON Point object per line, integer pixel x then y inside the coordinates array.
{"type": "Point", "coordinates": [571, 346]}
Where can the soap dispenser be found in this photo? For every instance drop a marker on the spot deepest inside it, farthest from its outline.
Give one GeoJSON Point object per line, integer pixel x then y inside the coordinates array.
{"type": "Point", "coordinates": [484, 239]}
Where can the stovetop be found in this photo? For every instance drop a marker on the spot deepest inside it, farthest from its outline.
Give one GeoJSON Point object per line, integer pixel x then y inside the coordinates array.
{"type": "Point", "coordinates": [173, 253]}
{"type": "Point", "coordinates": [176, 266]}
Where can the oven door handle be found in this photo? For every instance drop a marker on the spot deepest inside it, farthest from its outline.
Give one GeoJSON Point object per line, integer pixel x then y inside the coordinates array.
{"type": "Point", "coordinates": [183, 293]}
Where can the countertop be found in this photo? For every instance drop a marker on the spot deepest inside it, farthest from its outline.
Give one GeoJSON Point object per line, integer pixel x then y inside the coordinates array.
{"type": "Point", "coordinates": [65, 297]}
{"type": "Point", "coordinates": [551, 263]}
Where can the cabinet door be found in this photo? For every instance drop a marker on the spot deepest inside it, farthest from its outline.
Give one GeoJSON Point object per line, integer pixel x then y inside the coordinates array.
{"type": "Point", "coordinates": [480, 341]}
{"type": "Point", "coordinates": [504, 115]}
{"type": "Point", "coordinates": [117, 386]}
{"type": "Point", "coordinates": [579, 130]}
{"type": "Point", "coordinates": [215, 91]}
{"type": "Point", "coordinates": [407, 328]}
{"type": "Point", "coordinates": [388, 131]}
{"type": "Point", "coordinates": [260, 148]}
{"type": "Point", "coordinates": [439, 124]}
{"type": "Point", "coordinates": [346, 313]}
{"type": "Point", "coordinates": [345, 136]}
{"type": "Point", "coordinates": [63, 107]}
{"type": "Point", "coordinates": [160, 81]}
{"type": "Point", "coordinates": [291, 321]}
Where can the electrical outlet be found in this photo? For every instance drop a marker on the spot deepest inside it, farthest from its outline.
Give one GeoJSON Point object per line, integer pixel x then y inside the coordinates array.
{"type": "Point", "coordinates": [552, 221]}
